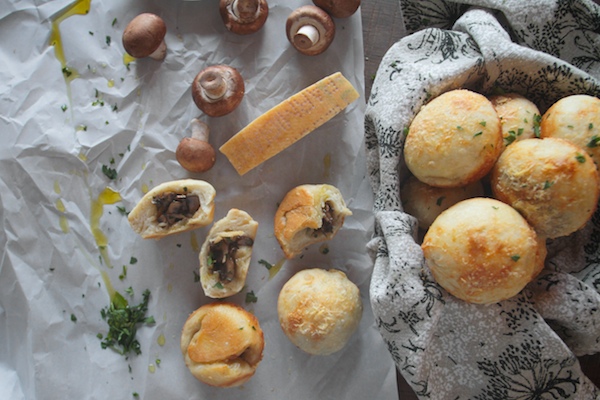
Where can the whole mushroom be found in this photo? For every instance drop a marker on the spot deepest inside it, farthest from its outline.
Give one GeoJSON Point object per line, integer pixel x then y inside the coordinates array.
{"type": "Point", "coordinates": [310, 30]}
{"type": "Point", "coordinates": [195, 153]}
{"type": "Point", "coordinates": [218, 90]}
{"type": "Point", "coordinates": [144, 36]}
{"type": "Point", "coordinates": [244, 16]}
{"type": "Point", "coordinates": [338, 8]}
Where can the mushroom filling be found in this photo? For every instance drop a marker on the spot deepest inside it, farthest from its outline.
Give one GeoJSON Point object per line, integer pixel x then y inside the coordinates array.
{"type": "Point", "coordinates": [222, 253]}
{"type": "Point", "coordinates": [326, 222]}
{"type": "Point", "coordinates": [172, 207]}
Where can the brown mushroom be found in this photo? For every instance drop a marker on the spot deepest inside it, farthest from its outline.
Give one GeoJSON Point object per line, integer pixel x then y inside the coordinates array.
{"type": "Point", "coordinates": [310, 30]}
{"type": "Point", "coordinates": [244, 16]}
{"type": "Point", "coordinates": [218, 90]}
{"type": "Point", "coordinates": [195, 153]}
{"type": "Point", "coordinates": [338, 8]}
{"type": "Point", "coordinates": [144, 37]}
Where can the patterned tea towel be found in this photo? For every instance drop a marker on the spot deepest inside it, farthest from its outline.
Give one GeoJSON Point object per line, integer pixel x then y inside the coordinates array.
{"type": "Point", "coordinates": [525, 347]}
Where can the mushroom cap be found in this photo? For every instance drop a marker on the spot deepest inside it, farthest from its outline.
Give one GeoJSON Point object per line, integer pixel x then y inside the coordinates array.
{"type": "Point", "coordinates": [234, 90]}
{"type": "Point", "coordinates": [143, 35]}
{"type": "Point", "coordinates": [313, 16]}
{"type": "Point", "coordinates": [195, 155]}
{"type": "Point", "coordinates": [338, 8]}
{"type": "Point", "coordinates": [244, 24]}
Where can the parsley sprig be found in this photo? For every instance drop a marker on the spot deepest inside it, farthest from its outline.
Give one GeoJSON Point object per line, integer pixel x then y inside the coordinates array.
{"type": "Point", "coordinates": [123, 321]}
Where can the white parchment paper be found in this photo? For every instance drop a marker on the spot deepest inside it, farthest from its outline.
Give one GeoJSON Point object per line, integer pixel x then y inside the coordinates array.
{"type": "Point", "coordinates": [64, 118]}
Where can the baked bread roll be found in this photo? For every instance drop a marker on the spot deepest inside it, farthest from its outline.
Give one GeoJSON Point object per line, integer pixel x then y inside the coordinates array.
{"type": "Point", "coordinates": [222, 344]}
{"type": "Point", "coordinates": [425, 202]}
{"type": "Point", "coordinates": [551, 182]}
{"type": "Point", "coordinates": [482, 251]}
{"type": "Point", "coordinates": [519, 117]}
{"type": "Point", "coordinates": [453, 140]}
{"type": "Point", "coordinates": [309, 214]}
{"type": "Point", "coordinates": [225, 254]}
{"type": "Point", "coordinates": [173, 207]}
{"type": "Point", "coordinates": [319, 310]}
{"type": "Point", "coordinates": [575, 118]}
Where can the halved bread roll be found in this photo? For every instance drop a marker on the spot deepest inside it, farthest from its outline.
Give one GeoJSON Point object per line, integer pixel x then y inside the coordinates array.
{"type": "Point", "coordinates": [222, 344]}
{"type": "Point", "coordinates": [225, 254]}
{"type": "Point", "coordinates": [173, 207]}
{"type": "Point", "coordinates": [309, 214]}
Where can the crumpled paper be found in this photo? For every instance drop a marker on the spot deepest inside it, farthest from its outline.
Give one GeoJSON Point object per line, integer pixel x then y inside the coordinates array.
{"type": "Point", "coordinates": [73, 109]}
{"type": "Point", "coordinates": [524, 347]}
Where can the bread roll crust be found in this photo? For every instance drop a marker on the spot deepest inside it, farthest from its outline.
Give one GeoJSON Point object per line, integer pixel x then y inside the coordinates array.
{"type": "Point", "coordinates": [144, 217]}
{"type": "Point", "coordinates": [453, 140]}
{"type": "Point", "coordinates": [426, 202]}
{"type": "Point", "coordinates": [309, 214]}
{"type": "Point", "coordinates": [236, 224]}
{"type": "Point", "coordinates": [319, 310]}
{"type": "Point", "coordinates": [553, 183]}
{"type": "Point", "coordinates": [482, 251]}
{"type": "Point", "coordinates": [575, 118]}
{"type": "Point", "coordinates": [519, 117]}
{"type": "Point", "coordinates": [222, 344]}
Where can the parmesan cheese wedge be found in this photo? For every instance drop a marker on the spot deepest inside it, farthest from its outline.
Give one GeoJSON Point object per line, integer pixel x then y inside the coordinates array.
{"type": "Point", "coordinates": [288, 122]}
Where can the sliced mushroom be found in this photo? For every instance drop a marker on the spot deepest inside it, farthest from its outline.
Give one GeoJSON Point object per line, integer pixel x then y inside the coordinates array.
{"type": "Point", "coordinates": [173, 207]}
{"type": "Point", "coordinates": [310, 30]}
{"type": "Point", "coordinates": [222, 253]}
{"type": "Point", "coordinates": [338, 8]}
{"type": "Point", "coordinates": [218, 90]}
{"type": "Point", "coordinates": [195, 153]}
{"type": "Point", "coordinates": [244, 16]}
{"type": "Point", "coordinates": [144, 37]}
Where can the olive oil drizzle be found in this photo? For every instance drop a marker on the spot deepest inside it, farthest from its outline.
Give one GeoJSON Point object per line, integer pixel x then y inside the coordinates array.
{"type": "Point", "coordinates": [106, 197]}
{"type": "Point", "coordinates": [79, 7]}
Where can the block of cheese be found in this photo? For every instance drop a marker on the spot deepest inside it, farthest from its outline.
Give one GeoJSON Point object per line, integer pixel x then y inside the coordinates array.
{"type": "Point", "coordinates": [288, 122]}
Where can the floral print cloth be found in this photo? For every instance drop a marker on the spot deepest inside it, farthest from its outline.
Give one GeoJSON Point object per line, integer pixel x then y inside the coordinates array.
{"type": "Point", "coordinates": [525, 347]}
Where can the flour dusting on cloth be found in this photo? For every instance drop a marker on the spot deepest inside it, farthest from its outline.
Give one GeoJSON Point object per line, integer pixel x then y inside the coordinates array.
{"type": "Point", "coordinates": [527, 346]}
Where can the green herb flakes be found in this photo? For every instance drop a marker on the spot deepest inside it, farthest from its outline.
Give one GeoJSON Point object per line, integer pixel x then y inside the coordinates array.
{"type": "Point", "coordinates": [123, 274]}
{"type": "Point", "coordinates": [108, 40]}
{"type": "Point", "coordinates": [483, 123]}
{"type": "Point", "coordinates": [218, 285]}
{"type": "Point", "coordinates": [109, 172]}
{"type": "Point", "coordinates": [593, 141]}
{"type": "Point", "coordinates": [251, 297]}
{"type": "Point", "coordinates": [580, 158]}
{"type": "Point", "coordinates": [439, 201]}
{"type": "Point", "coordinates": [478, 134]}
{"type": "Point", "coordinates": [73, 318]}
{"type": "Point", "coordinates": [515, 258]}
{"type": "Point", "coordinates": [266, 264]}
{"type": "Point", "coordinates": [64, 108]}
{"type": "Point", "coordinates": [537, 120]}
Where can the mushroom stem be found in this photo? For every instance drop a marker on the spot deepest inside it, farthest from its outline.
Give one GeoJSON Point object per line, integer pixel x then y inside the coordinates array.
{"type": "Point", "coordinates": [306, 37]}
{"type": "Point", "coordinates": [199, 129]}
{"type": "Point", "coordinates": [245, 10]}
{"type": "Point", "coordinates": [160, 53]}
{"type": "Point", "coordinates": [213, 85]}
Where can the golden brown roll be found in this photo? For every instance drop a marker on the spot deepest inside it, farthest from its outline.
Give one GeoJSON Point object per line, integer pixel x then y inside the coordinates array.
{"type": "Point", "coordinates": [453, 140]}
{"type": "Point", "coordinates": [173, 207]}
{"type": "Point", "coordinates": [425, 202]}
{"type": "Point", "coordinates": [519, 117]}
{"type": "Point", "coordinates": [222, 344]}
{"type": "Point", "coordinates": [309, 214]}
{"type": "Point", "coordinates": [575, 118]}
{"type": "Point", "coordinates": [482, 251]}
{"type": "Point", "coordinates": [551, 182]}
{"type": "Point", "coordinates": [225, 254]}
{"type": "Point", "coordinates": [319, 310]}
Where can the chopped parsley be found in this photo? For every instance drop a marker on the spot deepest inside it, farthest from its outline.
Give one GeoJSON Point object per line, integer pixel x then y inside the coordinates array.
{"type": "Point", "coordinates": [122, 210]}
{"type": "Point", "coordinates": [108, 40]}
{"type": "Point", "coordinates": [67, 72]}
{"type": "Point", "coordinates": [478, 134]}
{"type": "Point", "coordinates": [218, 285]}
{"type": "Point", "coordinates": [593, 141]}
{"type": "Point", "coordinates": [267, 265]}
{"type": "Point", "coordinates": [110, 173]}
{"type": "Point", "coordinates": [515, 258]}
{"type": "Point", "coordinates": [123, 321]}
{"type": "Point", "coordinates": [73, 318]}
{"type": "Point", "coordinates": [580, 158]}
{"type": "Point", "coordinates": [64, 107]}
{"type": "Point", "coordinates": [537, 120]}
{"type": "Point", "coordinates": [123, 274]}
{"type": "Point", "coordinates": [439, 201]}
{"type": "Point", "coordinates": [251, 297]}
